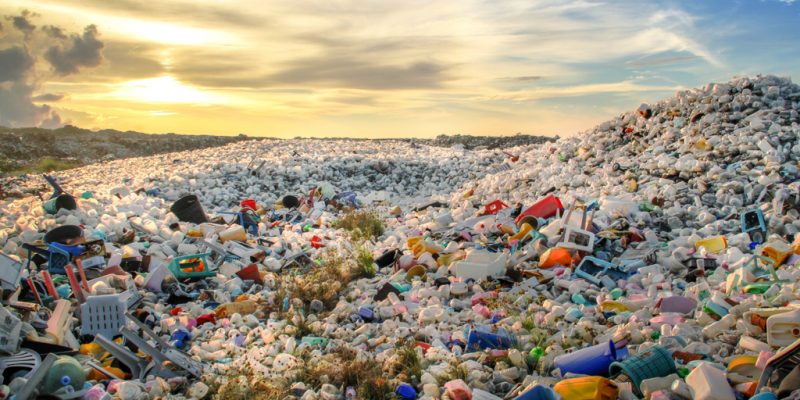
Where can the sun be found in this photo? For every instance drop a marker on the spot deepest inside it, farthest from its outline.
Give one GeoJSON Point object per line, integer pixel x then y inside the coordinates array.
{"type": "Point", "coordinates": [164, 89]}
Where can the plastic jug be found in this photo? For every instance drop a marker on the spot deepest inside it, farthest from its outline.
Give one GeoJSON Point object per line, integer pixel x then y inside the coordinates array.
{"type": "Point", "coordinates": [66, 371]}
{"type": "Point", "coordinates": [709, 383]}
{"type": "Point", "coordinates": [783, 329]}
{"type": "Point", "coordinates": [714, 244]}
{"type": "Point", "coordinates": [587, 388]}
{"type": "Point", "coordinates": [592, 360]}
{"type": "Point", "coordinates": [555, 256]}
{"type": "Point", "coordinates": [524, 229]}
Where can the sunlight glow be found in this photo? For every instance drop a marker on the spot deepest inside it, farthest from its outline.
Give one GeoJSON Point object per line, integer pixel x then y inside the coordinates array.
{"type": "Point", "coordinates": [164, 89]}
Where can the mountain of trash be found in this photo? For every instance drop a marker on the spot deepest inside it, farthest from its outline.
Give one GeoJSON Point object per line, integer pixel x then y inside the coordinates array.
{"type": "Point", "coordinates": [653, 257]}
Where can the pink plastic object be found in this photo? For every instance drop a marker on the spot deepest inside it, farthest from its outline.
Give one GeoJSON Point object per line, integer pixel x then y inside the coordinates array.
{"type": "Point", "coordinates": [547, 207]}
{"type": "Point", "coordinates": [458, 390]}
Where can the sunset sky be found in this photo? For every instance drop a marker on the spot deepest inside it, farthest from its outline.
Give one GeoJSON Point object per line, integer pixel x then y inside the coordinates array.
{"type": "Point", "coordinates": [373, 68]}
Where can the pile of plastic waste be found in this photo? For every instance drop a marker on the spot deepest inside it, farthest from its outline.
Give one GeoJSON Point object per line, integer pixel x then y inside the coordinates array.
{"type": "Point", "coordinates": [653, 257]}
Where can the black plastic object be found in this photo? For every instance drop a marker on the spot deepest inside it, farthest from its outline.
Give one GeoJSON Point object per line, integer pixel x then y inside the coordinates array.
{"type": "Point", "coordinates": [383, 292]}
{"type": "Point", "coordinates": [290, 201]}
{"type": "Point", "coordinates": [388, 258]}
{"type": "Point", "coordinates": [189, 209]}
{"type": "Point", "coordinates": [63, 234]}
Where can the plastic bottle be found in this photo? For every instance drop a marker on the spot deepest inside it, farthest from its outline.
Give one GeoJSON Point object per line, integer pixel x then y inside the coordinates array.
{"type": "Point", "coordinates": [715, 328]}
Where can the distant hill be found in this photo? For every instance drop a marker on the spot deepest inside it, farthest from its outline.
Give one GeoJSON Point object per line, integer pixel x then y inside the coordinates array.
{"type": "Point", "coordinates": [38, 150]}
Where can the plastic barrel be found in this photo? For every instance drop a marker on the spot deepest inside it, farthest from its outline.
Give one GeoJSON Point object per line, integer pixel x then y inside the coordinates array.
{"type": "Point", "coordinates": [189, 209]}
{"type": "Point", "coordinates": [655, 362]}
{"type": "Point", "coordinates": [592, 360]}
{"type": "Point", "coordinates": [66, 371]}
{"type": "Point", "coordinates": [64, 201]}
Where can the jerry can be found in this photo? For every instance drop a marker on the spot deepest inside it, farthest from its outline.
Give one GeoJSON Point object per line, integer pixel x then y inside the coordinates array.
{"type": "Point", "coordinates": [587, 388]}
{"type": "Point", "coordinates": [777, 250]}
{"type": "Point", "coordinates": [714, 244]}
{"type": "Point", "coordinates": [783, 329]}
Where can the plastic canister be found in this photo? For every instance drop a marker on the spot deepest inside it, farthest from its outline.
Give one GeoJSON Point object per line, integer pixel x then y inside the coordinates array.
{"type": "Point", "coordinates": [783, 329]}
{"type": "Point", "coordinates": [592, 360]}
{"type": "Point", "coordinates": [709, 383]}
{"type": "Point", "coordinates": [457, 390]}
{"type": "Point", "coordinates": [66, 371]}
{"type": "Point", "coordinates": [777, 250]}
{"type": "Point", "coordinates": [587, 388]}
{"type": "Point", "coordinates": [714, 244]}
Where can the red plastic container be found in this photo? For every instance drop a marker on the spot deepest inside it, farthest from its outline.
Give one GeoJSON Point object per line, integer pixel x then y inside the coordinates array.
{"type": "Point", "coordinates": [249, 203]}
{"type": "Point", "coordinates": [546, 207]}
{"type": "Point", "coordinates": [494, 207]}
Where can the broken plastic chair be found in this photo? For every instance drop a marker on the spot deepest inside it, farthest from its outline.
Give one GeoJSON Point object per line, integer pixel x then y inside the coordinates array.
{"type": "Point", "coordinates": [481, 264]}
{"type": "Point", "coordinates": [162, 352]}
{"type": "Point", "coordinates": [780, 365]}
{"type": "Point", "coordinates": [248, 220]}
{"type": "Point", "coordinates": [34, 381]}
{"type": "Point", "coordinates": [24, 360]}
{"type": "Point", "coordinates": [594, 270]}
{"type": "Point", "coordinates": [753, 224]}
{"type": "Point", "coordinates": [60, 323]}
{"type": "Point", "coordinates": [10, 332]}
{"type": "Point", "coordinates": [577, 239]}
{"type": "Point", "coordinates": [191, 266]}
{"type": "Point", "coordinates": [10, 272]}
{"type": "Point", "coordinates": [103, 315]}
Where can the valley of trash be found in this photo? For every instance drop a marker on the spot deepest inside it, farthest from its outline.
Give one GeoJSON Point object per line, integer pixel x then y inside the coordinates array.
{"type": "Point", "coordinates": [652, 257]}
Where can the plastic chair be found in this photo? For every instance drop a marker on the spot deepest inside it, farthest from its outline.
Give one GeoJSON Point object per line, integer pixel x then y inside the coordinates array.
{"type": "Point", "coordinates": [10, 272]}
{"type": "Point", "coordinates": [780, 365]}
{"type": "Point", "coordinates": [103, 314]}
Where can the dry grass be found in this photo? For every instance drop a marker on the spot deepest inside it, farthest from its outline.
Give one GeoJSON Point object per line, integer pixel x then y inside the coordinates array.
{"type": "Point", "coordinates": [362, 225]}
{"type": "Point", "coordinates": [243, 387]}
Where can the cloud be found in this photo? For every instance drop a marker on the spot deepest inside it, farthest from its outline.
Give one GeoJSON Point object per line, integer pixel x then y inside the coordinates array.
{"type": "Point", "coordinates": [346, 72]}
{"type": "Point", "coordinates": [659, 61]}
{"type": "Point", "coordinates": [22, 49]}
{"type": "Point", "coordinates": [82, 51]}
{"type": "Point", "coordinates": [49, 97]}
{"type": "Point", "coordinates": [526, 78]}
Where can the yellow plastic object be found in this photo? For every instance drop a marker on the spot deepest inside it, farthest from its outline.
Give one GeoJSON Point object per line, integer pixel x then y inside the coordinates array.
{"type": "Point", "coordinates": [745, 366]}
{"type": "Point", "coordinates": [777, 250]}
{"type": "Point", "coordinates": [425, 247]}
{"type": "Point", "coordinates": [93, 349]}
{"type": "Point", "coordinates": [714, 244]}
{"type": "Point", "coordinates": [506, 229]}
{"type": "Point", "coordinates": [587, 388]}
{"type": "Point", "coordinates": [523, 230]}
{"type": "Point", "coordinates": [702, 145]}
{"type": "Point", "coordinates": [445, 260]}
{"type": "Point", "coordinates": [416, 271]}
{"type": "Point", "coordinates": [411, 242]}
{"type": "Point", "coordinates": [613, 306]}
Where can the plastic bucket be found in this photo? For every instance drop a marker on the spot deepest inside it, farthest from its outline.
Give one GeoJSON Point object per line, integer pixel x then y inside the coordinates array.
{"type": "Point", "coordinates": [64, 201]}
{"type": "Point", "coordinates": [290, 201]}
{"type": "Point", "coordinates": [592, 360]}
{"type": "Point", "coordinates": [63, 234]}
{"type": "Point", "coordinates": [189, 209]}
{"type": "Point", "coordinates": [249, 203]}
{"type": "Point", "coordinates": [388, 258]}
{"type": "Point", "coordinates": [545, 208]}
{"type": "Point", "coordinates": [655, 362]}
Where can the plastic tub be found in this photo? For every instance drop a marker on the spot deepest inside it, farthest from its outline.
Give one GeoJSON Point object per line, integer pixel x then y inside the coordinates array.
{"type": "Point", "coordinates": [189, 209]}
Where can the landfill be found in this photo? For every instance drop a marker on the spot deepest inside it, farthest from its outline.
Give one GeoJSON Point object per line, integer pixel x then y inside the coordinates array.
{"type": "Point", "coordinates": [652, 257]}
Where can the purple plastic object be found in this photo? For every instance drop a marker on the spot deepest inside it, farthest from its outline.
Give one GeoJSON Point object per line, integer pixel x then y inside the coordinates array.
{"type": "Point", "coordinates": [677, 304]}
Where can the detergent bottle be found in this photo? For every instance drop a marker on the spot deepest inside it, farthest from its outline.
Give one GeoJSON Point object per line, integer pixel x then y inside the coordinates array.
{"type": "Point", "coordinates": [783, 329]}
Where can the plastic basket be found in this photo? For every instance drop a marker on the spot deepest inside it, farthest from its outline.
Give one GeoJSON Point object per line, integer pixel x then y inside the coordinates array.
{"type": "Point", "coordinates": [102, 315]}
{"type": "Point", "coordinates": [191, 266]}
{"type": "Point", "coordinates": [655, 362]}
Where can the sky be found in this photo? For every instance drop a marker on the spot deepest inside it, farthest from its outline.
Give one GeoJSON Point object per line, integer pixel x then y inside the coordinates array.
{"type": "Point", "coordinates": [359, 68]}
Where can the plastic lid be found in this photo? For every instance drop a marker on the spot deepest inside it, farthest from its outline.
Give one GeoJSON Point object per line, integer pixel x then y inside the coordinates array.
{"type": "Point", "coordinates": [406, 391]}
